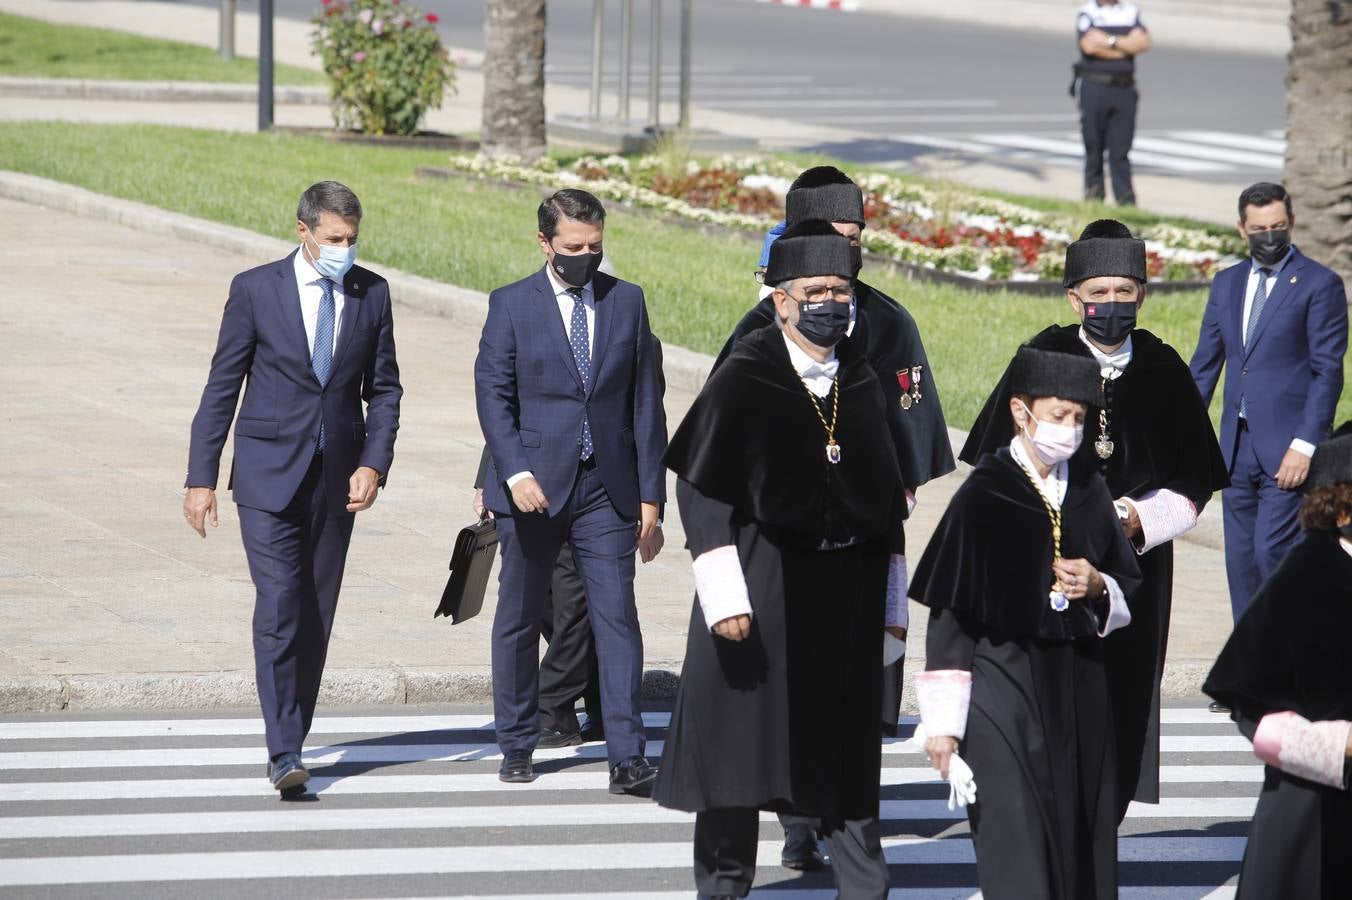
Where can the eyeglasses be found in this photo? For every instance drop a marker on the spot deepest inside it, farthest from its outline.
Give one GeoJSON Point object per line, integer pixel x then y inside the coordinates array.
{"type": "Point", "coordinates": [820, 293]}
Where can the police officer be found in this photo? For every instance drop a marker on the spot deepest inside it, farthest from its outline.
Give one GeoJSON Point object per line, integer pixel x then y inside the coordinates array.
{"type": "Point", "coordinates": [1111, 36]}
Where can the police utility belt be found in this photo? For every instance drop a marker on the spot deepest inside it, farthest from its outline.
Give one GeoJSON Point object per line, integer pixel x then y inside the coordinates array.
{"type": "Point", "coordinates": [1093, 76]}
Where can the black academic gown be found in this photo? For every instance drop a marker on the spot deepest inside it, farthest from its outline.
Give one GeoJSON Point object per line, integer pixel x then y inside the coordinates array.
{"type": "Point", "coordinates": [786, 720]}
{"type": "Point", "coordinates": [887, 335]}
{"type": "Point", "coordinates": [1039, 734]}
{"type": "Point", "coordinates": [1289, 653]}
{"type": "Point", "coordinates": [1163, 438]}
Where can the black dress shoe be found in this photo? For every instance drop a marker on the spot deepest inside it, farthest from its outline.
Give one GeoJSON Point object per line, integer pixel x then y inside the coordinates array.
{"type": "Point", "coordinates": [516, 768]}
{"type": "Point", "coordinates": [717, 897]}
{"type": "Point", "coordinates": [1218, 707]}
{"type": "Point", "coordinates": [593, 730]}
{"type": "Point", "coordinates": [286, 772]}
{"type": "Point", "coordinates": [550, 738]}
{"type": "Point", "coordinates": [634, 776]}
{"type": "Point", "coordinates": [800, 849]}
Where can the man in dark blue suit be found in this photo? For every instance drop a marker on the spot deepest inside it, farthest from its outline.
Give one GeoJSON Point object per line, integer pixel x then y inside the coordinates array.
{"type": "Point", "coordinates": [1278, 325]}
{"type": "Point", "coordinates": [313, 335]}
{"type": "Point", "coordinates": [570, 405]}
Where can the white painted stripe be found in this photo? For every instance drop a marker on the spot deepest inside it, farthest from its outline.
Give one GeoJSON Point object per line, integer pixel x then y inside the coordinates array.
{"type": "Point", "coordinates": [1195, 151]}
{"type": "Point", "coordinates": [506, 816]}
{"type": "Point", "coordinates": [464, 783]}
{"type": "Point", "coordinates": [843, 102]}
{"type": "Point", "coordinates": [1178, 715]}
{"type": "Point", "coordinates": [514, 858]}
{"type": "Point", "coordinates": [934, 118]}
{"type": "Point", "coordinates": [1144, 892]}
{"type": "Point", "coordinates": [1075, 149]}
{"type": "Point", "coordinates": [833, 5]}
{"type": "Point", "coordinates": [1275, 146]}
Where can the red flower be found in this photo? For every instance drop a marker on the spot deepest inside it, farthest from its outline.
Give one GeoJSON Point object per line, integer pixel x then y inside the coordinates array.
{"type": "Point", "coordinates": [327, 2]}
{"type": "Point", "coordinates": [433, 18]}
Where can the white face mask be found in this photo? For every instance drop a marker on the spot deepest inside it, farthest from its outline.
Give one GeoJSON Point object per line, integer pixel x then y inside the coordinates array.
{"type": "Point", "coordinates": [1053, 443]}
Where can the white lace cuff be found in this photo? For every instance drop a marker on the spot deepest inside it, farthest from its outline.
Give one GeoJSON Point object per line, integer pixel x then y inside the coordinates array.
{"type": "Point", "coordinates": [1316, 751]}
{"type": "Point", "coordinates": [1164, 515]}
{"type": "Point", "coordinates": [721, 585]}
{"type": "Point", "coordinates": [898, 614]}
{"type": "Point", "coordinates": [944, 696]}
{"type": "Point", "coordinates": [1119, 614]}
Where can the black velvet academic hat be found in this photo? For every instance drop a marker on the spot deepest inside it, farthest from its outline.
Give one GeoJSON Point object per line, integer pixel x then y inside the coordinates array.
{"type": "Point", "coordinates": [1332, 462]}
{"type": "Point", "coordinates": [1105, 247]}
{"type": "Point", "coordinates": [826, 193]}
{"type": "Point", "coordinates": [808, 249]}
{"type": "Point", "coordinates": [1045, 373]}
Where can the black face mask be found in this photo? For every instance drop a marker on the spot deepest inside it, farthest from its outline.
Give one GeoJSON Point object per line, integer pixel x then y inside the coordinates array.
{"type": "Point", "coordinates": [1268, 247]}
{"type": "Point", "coordinates": [823, 323]}
{"type": "Point", "coordinates": [856, 260]}
{"type": "Point", "coordinates": [1109, 323]}
{"type": "Point", "coordinates": [576, 270]}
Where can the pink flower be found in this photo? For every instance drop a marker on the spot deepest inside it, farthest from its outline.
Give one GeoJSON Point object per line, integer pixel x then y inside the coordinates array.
{"type": "Point", "coordinates": [359, 56]}
{"type": "Point", "coordinates": [366, 15]}
{"type": "Point", "coordinates": [433, 18]}
{"type": "Point", "coordinates": [377, 27]}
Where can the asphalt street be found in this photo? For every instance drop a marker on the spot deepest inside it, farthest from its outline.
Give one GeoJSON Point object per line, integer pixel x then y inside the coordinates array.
{"type": "Point", "coordinates": [405, 802]}
{"type": "Point", "coordinates": [915, 86]}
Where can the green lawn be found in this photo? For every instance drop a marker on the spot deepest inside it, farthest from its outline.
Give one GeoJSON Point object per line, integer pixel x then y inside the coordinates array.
{"type": "Point", "coordinates": [479, 236]}
{"type": "Point", "coordinates": [35, 48]}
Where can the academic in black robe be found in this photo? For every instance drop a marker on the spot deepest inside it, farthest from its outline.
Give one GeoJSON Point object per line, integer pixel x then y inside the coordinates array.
{"type": "Point", "coordinates": [1162, 438]}
{"type": "Point", "coordinates": [1289, 652]}
{"type": "Point", "coordinates": [786, 720]}
{"type": "Point", "coordinates": [1039, 733]}
{"type": "Point", "coordinates": [887, 335]}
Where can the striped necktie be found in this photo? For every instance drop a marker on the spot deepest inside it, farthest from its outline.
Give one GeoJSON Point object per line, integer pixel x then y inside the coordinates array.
{"type": "Point", "coordinates": [321, 358]}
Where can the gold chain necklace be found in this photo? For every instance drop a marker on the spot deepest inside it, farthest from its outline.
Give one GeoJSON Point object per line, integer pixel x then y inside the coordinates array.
{"type": "Point", "coordinates": [832, 448]}
{"type": "Point", "coordinates": [1057, 595]}
{"type": "Point", "coordinates": [1104, 445]}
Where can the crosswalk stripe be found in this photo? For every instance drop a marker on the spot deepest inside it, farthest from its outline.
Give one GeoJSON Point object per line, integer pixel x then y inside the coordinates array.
{"type": "Point", "coordinates": [1195, 151]}
{"type": "Point", "coordinates": [1275, 146]}
{"type": "Point", "coordinates": [1076, 150]}
{"type": "Point", "coordinates": [1132, 892]}
{"type": "Point", "coordinates": [229, 865]}
{"type": "Point", "coordinates": [461, 752]}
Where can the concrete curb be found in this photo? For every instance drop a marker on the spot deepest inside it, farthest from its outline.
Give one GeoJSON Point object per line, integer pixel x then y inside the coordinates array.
{"type": "Point", "coordinates": [394, 685]}
{"type": "Point", "coordinates": [156, 91]}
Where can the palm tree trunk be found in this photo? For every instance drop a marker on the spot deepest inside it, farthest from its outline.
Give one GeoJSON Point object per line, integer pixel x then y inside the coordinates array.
{"type": "Point", "coordinates": [1319, 129]}
{"type": "Point", "coordinates": [514, 79]}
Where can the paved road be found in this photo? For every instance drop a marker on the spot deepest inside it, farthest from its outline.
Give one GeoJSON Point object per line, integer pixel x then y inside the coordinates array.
{"type": "Point", "coordinates": [409, 805]}
{"type": "Point", "coordinates": [918, 86]}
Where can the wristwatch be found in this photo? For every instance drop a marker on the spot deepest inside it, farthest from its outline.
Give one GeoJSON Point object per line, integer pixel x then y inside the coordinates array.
{"type": "Point", "coordinates": [1112, 41]}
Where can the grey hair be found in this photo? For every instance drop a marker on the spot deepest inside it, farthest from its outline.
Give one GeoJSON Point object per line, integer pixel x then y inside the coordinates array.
{"type": "Point", "coordinates": [327, 196]}
{"type": "Point", "coordinates": [784, 286]}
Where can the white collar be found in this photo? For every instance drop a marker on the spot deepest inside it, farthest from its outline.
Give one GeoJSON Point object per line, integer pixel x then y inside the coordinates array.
{"type": "Point", "coordinates": [1053, 487]}
{"type": "Point", "coordinates": [1114, 362]}
{"type": "Point", "coordinates": [803, 364]}
{"type": "Point", "coordinates": [1346, 544]}
{"type": "Point", "coordinates": [560, 289]}
{"type": "Point", "coordinates": [306, 273]}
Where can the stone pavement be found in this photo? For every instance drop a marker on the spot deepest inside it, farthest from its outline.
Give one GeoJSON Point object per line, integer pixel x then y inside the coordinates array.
{"type": "Point", "coordinates": [461, 113]}
{"type": "Point", "coordinates": [110, 601]}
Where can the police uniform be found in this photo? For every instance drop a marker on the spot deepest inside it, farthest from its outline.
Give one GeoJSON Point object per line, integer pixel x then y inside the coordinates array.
{"type": "Point", "coordinates": [1107, 98]}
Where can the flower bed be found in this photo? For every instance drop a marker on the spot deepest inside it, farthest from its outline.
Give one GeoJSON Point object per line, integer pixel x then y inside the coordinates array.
{"type": "Point", "coordinates": [948, 230]}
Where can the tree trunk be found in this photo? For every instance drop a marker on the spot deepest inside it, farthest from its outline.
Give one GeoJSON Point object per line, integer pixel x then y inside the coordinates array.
{"type": "Point", "coordinates": [514, 79]}
{"type": "Point", "coordinates": [1319, 129]}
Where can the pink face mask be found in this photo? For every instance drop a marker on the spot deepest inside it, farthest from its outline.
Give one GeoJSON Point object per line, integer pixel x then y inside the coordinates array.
{"type": "Point", "coordinates": [1051, 442]}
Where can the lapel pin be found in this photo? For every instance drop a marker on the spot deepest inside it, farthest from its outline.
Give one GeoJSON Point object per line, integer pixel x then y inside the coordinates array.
{"type": "Point", "coordinates": [1293, 279]}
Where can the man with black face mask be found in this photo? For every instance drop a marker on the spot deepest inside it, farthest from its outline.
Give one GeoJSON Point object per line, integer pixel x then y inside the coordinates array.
{"type": "Point", "coordinates": [1278, 325]}
{"type": "Point", "coordinates": [793, 504]}
{"type": "Point", "coordinates": [570, 403]}
{"type": "Point", "coordinates": [1153, 443]}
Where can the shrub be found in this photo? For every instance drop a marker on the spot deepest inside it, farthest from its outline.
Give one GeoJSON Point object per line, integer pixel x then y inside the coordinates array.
{"type": "Point", "coordinates": [385, 61]}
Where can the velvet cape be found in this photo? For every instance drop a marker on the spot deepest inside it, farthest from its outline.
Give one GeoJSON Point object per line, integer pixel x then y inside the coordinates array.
{"type": "Point", "coordinates": [890, 340]}
{"type": "Point", "coordinates": [1163, 438]}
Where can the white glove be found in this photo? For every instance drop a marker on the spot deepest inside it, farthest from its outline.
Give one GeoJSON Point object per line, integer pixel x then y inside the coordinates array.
{"type": "Point", "coordinates": [962, 786]}
{"type": "Point", "coordinates": [894, 648]}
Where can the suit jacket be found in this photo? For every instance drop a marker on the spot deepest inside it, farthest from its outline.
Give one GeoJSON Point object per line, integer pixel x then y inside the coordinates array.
{"type": "Point", "coordinates": [1291, 373]}
{"type": "Point", "coordinates": [263, 339]}
{"type": "Point", "coordinates": [531, 400]}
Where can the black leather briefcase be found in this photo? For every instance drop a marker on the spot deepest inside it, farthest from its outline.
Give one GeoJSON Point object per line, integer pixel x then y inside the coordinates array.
{"type": "Point", "coordinates": [471, 563]}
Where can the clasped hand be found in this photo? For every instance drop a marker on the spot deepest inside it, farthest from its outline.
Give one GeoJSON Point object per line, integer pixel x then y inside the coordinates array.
{"type": "Point", "coordinates": [1079, 579]}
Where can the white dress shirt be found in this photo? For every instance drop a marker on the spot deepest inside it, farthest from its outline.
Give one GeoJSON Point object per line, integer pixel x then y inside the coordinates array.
{"type": "Point", "coordinates": [1346, 545]}
{"type": "Point", "coordinates": [1251, 288]}
{"type": "Point", "coordinates": [817, 376]}
{"type": "Point", "coordinates": [565, 301]}
{"type": "Point", "coordinates": [307, 283]}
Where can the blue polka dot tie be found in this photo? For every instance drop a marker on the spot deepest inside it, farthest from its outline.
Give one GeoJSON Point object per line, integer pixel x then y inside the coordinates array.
{"type": "Point", "coordinates": [321, 358]}
{"type": "Point", "coordinates": [578, 339]}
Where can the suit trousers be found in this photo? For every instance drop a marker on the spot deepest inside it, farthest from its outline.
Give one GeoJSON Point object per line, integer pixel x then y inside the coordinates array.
{"type": "Point", "coordinates": [603, 544]}
{"type": "Point", "coordinates": [296, 559]}
{"type": "Point", "coordinates": [1108, 125]}
{"type": "Point", "coordinates": [568, 668]}
{"type": "Point", "coordinates": [725, 854]}
{"type": "Point", "coordinates": [1261, 524]}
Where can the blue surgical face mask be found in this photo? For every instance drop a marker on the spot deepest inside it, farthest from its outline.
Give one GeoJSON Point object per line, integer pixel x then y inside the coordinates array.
{"type": "Point", "coordinates": [334, 262]}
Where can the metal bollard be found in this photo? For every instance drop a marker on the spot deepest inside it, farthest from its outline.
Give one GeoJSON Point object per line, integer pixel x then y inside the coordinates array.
{"type": "Point", "coordinates": [227, 31]}
{"type": "Point", "coordinates": [598, 40]}
{"type": "Point", "coordinates": [655, 64]}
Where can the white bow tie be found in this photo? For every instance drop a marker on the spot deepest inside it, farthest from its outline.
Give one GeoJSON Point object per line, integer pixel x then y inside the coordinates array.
{"type": "Point", "coordinates": [822, 370]}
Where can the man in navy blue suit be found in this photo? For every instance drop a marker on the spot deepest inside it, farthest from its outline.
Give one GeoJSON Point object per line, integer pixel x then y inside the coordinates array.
{"type": "Point", "coordinates": [569, 401]}
{"type": "Point", "coordinates": [312, 333]}
{"type": "Point", "coordinates": [1278, 325]}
